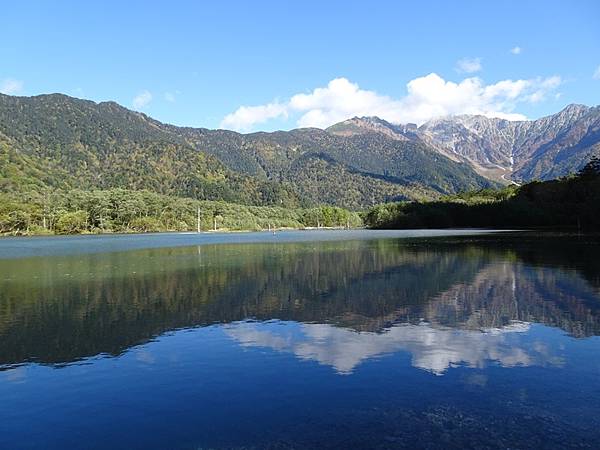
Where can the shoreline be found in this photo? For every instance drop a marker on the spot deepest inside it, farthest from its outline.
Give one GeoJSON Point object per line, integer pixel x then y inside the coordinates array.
{"type": "Point", "coordinates": [570, 230]}
{"type": "Point", "coordinates": [190, 232]}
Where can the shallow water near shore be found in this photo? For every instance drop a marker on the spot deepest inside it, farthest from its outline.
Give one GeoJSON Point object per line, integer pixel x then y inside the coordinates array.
{"type": "Point", "coordinates": [329, 339]}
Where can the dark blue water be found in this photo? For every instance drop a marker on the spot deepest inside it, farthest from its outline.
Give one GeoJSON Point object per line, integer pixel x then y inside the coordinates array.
{"type": "Point", "coordinates": [369, 341]}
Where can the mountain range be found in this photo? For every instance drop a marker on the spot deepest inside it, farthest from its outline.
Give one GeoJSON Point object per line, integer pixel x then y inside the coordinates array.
{"type": "Point", "coordinates": [59, 142]}
{"type": "Point", "coordinates": [499, 149]}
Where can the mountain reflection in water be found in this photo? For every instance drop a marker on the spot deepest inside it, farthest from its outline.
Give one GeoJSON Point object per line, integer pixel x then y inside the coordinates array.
{"type": "Point", "coordinates": [447, 301]}
{"type": "Point", "coordinates": [487, 341]}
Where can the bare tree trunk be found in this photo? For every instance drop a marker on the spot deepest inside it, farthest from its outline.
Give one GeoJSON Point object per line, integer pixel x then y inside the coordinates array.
{"type": "Point", "coordinates": [198, 221]}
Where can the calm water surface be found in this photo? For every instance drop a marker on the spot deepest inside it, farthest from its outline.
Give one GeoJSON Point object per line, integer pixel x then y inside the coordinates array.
{"type": "Point", "coordinates": [300, 340]}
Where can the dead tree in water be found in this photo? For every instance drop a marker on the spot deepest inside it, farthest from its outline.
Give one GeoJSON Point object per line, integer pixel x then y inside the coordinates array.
{"type": "Point", "coordinates": [216, 215]}
{"type": "Point", "coordinates": [198, 220]}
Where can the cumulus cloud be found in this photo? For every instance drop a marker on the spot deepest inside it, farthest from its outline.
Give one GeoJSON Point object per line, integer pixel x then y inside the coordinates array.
{"type": "Point", "coordinates": [10, 86]}
{"type": "Point", "coordinates": [427, 97]}
{"type": "Point", "coordinates": [245, 117]}
{"type": "Point", "coordinates": [597, 73]}
{"type": "Point", "coordinates": [142, 99]}
{"type": "Point", "coordinates": [469, 65]}
{"type": "Point", "coordinates": [516, 50]}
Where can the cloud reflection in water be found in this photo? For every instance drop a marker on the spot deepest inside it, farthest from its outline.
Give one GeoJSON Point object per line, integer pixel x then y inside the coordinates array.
{"type": "Point", "coordinates": [435, 349]}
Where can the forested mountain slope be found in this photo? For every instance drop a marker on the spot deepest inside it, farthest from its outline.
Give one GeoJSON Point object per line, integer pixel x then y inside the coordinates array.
{"type": "Point", "coordinates": [56, 141]}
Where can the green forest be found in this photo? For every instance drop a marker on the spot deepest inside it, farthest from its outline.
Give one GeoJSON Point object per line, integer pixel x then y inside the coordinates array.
{"type": "Point", "coordinates": [71, 166]}
{"type": "Point", "coordinates": [571, 202]}
{"type": "Point", "coordinates": [122, 210]}
{"type": "Point", "coordinates": [54, 141]}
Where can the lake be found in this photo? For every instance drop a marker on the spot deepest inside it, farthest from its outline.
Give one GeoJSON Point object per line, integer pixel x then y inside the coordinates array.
{"type": "Point", "coordinates": [323, 339]}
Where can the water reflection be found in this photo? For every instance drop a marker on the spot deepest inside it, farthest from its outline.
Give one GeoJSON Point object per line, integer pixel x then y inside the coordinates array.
{"type": "Point", "coordinates": [459, 301]}
{"type": "Point", "coordinates": [432, 349]}
{"type": "Point", "coordinates": [305, 345]}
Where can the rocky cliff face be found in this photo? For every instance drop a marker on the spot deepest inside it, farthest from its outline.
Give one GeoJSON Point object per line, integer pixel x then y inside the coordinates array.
{"type": "Point", "coordinates": [545, 148]}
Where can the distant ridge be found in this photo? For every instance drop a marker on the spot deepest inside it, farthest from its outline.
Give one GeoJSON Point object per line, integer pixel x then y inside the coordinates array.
{"type": "Point", "coordinates": [499, 149]}
{"type": "Point", "coordinates": [58, 142]}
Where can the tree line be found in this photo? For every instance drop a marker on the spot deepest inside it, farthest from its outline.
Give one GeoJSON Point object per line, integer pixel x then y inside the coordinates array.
{"type": "Point", "coordinates": [123, 210]}
{"type": "Point", "coordinates": [571, 202]}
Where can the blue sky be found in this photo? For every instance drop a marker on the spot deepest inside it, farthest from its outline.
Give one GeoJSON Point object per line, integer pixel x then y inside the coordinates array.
{"type": "Point", "coordinates": [269, 65]}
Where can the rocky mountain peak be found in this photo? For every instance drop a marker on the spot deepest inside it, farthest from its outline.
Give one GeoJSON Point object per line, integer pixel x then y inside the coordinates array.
{"type": "Point", "coordinates": [366, 125]}
{"type": "Point", "coordinates": [498, 148]}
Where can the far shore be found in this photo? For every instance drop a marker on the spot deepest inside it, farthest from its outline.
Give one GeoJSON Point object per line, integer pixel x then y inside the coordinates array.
{"type": "Point", "coordinates": [220, 230]}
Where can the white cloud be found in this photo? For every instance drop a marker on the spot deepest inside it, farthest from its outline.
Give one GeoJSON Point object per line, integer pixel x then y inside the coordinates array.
{"type": "Point", "coordinates": [427, 97]}
{"type": "Point", "coordinates": [142, 99]}
{"type": "Point", "coordinates": [468, 65]}
{"type": "Point", "coordinates": [245, 117]}
{"type": "Point", "coordinates": [171, 96]}
{"type": "Point", "coordinates": [597, 73]}
{"type": "Point", "coordinates": [544, 87]}
{"type": "Point", "coordinates": [516, 50]}
{"type": "Point", "coordinates": [10, 86]}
